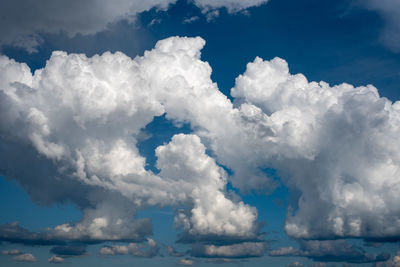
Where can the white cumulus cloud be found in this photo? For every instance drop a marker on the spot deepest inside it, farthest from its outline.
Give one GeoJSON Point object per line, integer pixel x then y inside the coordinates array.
{"type": "Point", "coordinates": [77, 122]}
{"type": "Point", "coordinates": [337, 146]}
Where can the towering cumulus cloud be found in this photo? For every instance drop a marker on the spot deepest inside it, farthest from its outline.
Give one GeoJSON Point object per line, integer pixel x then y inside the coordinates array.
{"type": "Point", "coordinates": [74, 126]}
{"type": "Point", "coordinates": [338, 146]}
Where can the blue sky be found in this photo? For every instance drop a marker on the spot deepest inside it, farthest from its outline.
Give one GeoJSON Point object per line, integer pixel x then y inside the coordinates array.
{"type": "Point", "coordinates": [160, 155]}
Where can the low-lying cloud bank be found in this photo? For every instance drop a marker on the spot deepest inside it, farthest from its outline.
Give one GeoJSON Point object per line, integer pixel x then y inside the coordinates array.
{"type": "Point", "coordinates": [137, 250]}
{"type": "Point", "coordinates": [75, 126]}
{"type": "Point", "coordinates": [25, 258]}
{"type": "Point", "coordinates": [330, 251]}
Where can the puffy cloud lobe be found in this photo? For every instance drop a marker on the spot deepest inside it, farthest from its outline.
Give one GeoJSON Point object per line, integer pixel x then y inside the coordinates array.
{"type": "Point", "coordinates": [240, 250]}
{"type": "Point", "coordinates": [83, 117]}
{"type": "Point", "coordinates": [55, 259]}
{"type": "Point", "coordinates": [137, 249]}
{"type": "Point", "coordinates": [212, 213]}
{"type": "Point", "coordinates": [25, 258]}
{"type": "Point", "coordinates": [110, 220]}
{"type": "Point", "coordinates": [337, 146]}
{"type": "Point", "coordinates": [330, 251]}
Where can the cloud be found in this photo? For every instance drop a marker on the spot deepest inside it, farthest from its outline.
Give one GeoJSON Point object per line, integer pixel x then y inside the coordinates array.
{"type": "Point", "coordinates": [25, 27]}
{"type": "Point", "coordinates": [25, 258]}
{"type": "Point", "coordinates": [330, 251]}
{"type": "Point", "coordinates": [232, 6]}
{"type": "Point", "coordinates": [284, 251]}
{"type": "Point", "coordinates": [133, 249]}
{"type": "Point", "coordinates": [11, 252]}
{"type": "Point", "coordinates": [69, 251]}
{"type": "Point", "coordinates": [14, 233]}
{"type": "Point", "coordinates": [241, 250]}
{"type": "Point", "coordinates": [390, 11]}
{"type": "Point", "coordinates": [24, 21]}
{"type": "Point", "coordinates": [137, 249]}
{"type": "Point", "coordinates": [55, 259]}
{"type": "Point", "coordinates": [212, 213]}
{"type": "Point", "coordinates": [191, 19]}
{"type": "Point", "coordinates": [223, 261]}
{"type": "Point", "coordinates": [172, 252]}
{"type": "Point", "coordinates": [114, 250]}
{"type": "Point", "coordinates": [186, 262]}
{"type": "Point", "coordinates": [82, 145]}
{"type": "Point", "coordinates": [106, 251]}
{"type": "Point", "coordinates": [318, 264]}
{"type": "Point", "coordinates": [335, 146]}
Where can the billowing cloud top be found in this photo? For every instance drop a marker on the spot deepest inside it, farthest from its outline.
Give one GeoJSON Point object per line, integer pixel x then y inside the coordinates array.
{"type": "Point", "coordinates": [337, 145]}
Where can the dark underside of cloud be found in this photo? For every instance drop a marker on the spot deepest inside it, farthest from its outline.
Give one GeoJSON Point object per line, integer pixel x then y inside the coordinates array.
{"type": "Point", "coordinates": [14, 233]}
{"type": "Point", "coordinates": [69, 251]}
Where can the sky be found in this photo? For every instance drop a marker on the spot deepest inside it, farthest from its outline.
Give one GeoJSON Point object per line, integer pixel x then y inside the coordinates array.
{"type": "Point", "coordinates": [200, 133]}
